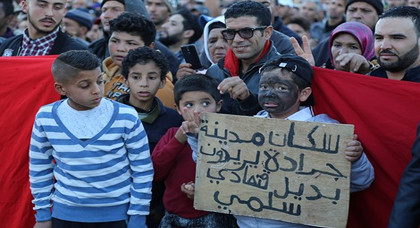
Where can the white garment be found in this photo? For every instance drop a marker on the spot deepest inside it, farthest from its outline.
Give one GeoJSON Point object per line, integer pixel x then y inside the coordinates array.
{"type": "Point", "coordinates": [85, 124]}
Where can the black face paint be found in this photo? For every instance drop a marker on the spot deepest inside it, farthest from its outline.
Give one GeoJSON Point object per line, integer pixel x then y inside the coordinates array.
{"type": "Point", "coordinates": [278, 93]}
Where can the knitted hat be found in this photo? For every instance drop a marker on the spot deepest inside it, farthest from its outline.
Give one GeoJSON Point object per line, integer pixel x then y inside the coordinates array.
{"type": "Point", "coordinates": [134, 6]}
{"type": "Point", "coordinates": [80, 16]}
{"type": "Point", "coordinates": [293, 63]}
{"type": "Point", "coordinates": [104, 1]}
{"type": "Point", "coordinates": [377, 4]}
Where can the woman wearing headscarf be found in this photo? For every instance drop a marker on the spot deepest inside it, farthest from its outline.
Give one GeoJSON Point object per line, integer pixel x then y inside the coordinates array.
{"type": "Point", "coordinates": [351, 48]}
{"type": "Point", "coordinates": [214, 47]}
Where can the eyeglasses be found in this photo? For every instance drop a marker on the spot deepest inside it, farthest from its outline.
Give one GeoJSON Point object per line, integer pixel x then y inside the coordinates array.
{"type": "Point", "coordinates": [245, 33]}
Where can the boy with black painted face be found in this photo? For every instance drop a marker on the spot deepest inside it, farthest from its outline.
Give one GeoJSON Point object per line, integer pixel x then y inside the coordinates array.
{"type": "Point", "coordinates": [285, 86]}
{"type": "Point", "coordinates": [279, 95]}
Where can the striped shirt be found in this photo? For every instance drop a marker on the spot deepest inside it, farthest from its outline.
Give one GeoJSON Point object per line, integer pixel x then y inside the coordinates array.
{"type": "Point", "coordinates": [105, 178]}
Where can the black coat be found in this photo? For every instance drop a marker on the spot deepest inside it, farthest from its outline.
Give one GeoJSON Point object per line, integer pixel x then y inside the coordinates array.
{"type": "Point", "coordinates": [411, 75]}
{"type": "Point", "coordinates": [406, 210]}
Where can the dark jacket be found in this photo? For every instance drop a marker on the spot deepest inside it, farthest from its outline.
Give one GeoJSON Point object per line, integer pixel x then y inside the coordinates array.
{"type": "Point", "coordinates": [406, 209]}
{"type": "Point", "coordinates": [100, 49]}
{"type": "Point", "coordinates": [280, 41]}
{"type": "Point", "coordinates": [62, 43]}
{"type": "Point", "coordinates": [411, 75]}
{"type": "Point", "coordinates": [251, 78]}
{"type": "Point", "coordinates": [166, 119]}
{"type": "Point", "coordinates": [321, 53]}
{"type": "Point", "coordinates": [321, 30]}
{"type": "Point", "coordinates": [279, 26]}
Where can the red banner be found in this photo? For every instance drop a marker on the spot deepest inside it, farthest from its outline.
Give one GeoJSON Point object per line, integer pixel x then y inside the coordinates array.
{"type": "Point", "coordinates": [26, 84]}
{"type": "Point", "coordinates": [385, 114]}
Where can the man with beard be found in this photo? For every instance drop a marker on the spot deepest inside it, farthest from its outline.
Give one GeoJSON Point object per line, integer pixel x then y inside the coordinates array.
{"type": "Point", "coordinates": [334, 17]}
{"type": "Point", "coordinates": [397, 35]}
{"type": "Point", "coordinates": [181, 29]}
{"type": "Point", "coordinates": [43, 35]}
{"type": "Point", "coordinates": [159, 11]}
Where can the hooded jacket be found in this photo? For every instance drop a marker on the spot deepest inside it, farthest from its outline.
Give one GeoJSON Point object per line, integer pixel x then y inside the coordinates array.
{"type": "Point", "coordinates": [115, 87]}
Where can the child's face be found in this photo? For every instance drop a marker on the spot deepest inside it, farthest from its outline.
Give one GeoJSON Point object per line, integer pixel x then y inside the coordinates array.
{"type": "Point", "coordinates": [144, 82]}
{"type": "Point", "coordinates": [84, 91]}
{"type": "Point", "coordinates": [120, 43]}
{"type": "Point", "coordinates": [278, 93]}
{"type": "Point", "coordinates": [197, 102]}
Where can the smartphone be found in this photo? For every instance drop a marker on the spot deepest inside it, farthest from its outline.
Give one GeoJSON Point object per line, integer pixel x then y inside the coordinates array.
{"type": "Point", "coordinates": [191, 56]}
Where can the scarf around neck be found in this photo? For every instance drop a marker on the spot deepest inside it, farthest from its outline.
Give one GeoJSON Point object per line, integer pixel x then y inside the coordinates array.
{"type": "Point", "coordinates": [232, 62]}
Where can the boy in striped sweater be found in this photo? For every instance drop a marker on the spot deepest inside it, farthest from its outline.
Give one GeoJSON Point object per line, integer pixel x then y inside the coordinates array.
{"type": "Point", "coordinates": [89, 156]}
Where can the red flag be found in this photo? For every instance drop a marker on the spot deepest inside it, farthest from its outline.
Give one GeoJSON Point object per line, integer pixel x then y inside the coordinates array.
{"type": "Point", "coordinates": [385, 114]}
{"type": "Point", "coordinates": [26, 84]}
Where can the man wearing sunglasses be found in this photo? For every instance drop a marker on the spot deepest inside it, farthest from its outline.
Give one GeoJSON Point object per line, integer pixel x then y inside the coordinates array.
{"type": "Point", "coordinates": [248, 32]}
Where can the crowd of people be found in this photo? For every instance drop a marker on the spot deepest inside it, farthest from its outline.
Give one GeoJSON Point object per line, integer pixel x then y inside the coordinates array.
{"type": "Point", "coordinates": [119, 149]}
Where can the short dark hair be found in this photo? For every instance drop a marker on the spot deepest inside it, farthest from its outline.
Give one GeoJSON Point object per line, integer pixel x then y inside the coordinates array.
{"type": "Point", "coordinates": [302, 22]}
{"type": "Point", "coordinates": [190, 22]}
{"type": "Point", "coordinates": [252, 9]}
{"type": "Point", "coordinates": [144, 55]}
{"type": "Point", "coordinates": [196, 82]}
{"type": "Point", "coordinates": [217, 24]}
{"type": "Point", "coordinates": [70, 63]}
{"type": "Point", "coordinates": [410, 12]}
{"type": "Point", "coordinates": [8, 7]}
{"type": "Point", "coordinates": [136, 25]}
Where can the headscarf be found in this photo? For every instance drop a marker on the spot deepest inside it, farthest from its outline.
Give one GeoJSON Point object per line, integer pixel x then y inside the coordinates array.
{"type": "Point", "coordinates": [206, 34]}
{"type": "Point", "coordinates": [362, 33]}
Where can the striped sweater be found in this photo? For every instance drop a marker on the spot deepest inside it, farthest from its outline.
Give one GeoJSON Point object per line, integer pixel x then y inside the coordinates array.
{"type": "Point", "coordinates": [105, 178]}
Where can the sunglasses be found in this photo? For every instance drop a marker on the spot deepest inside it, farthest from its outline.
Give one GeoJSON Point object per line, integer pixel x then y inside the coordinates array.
{"type": "Point", "coordinates": [245, 33]}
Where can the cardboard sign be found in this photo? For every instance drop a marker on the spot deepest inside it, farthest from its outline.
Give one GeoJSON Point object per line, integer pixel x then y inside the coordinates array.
{"type": "Point", "coordinates": [292, 171]}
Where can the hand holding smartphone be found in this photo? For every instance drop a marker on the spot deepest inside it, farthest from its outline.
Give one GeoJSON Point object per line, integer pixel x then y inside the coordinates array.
{"type": "Point", "coordinates": [191, 56]}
